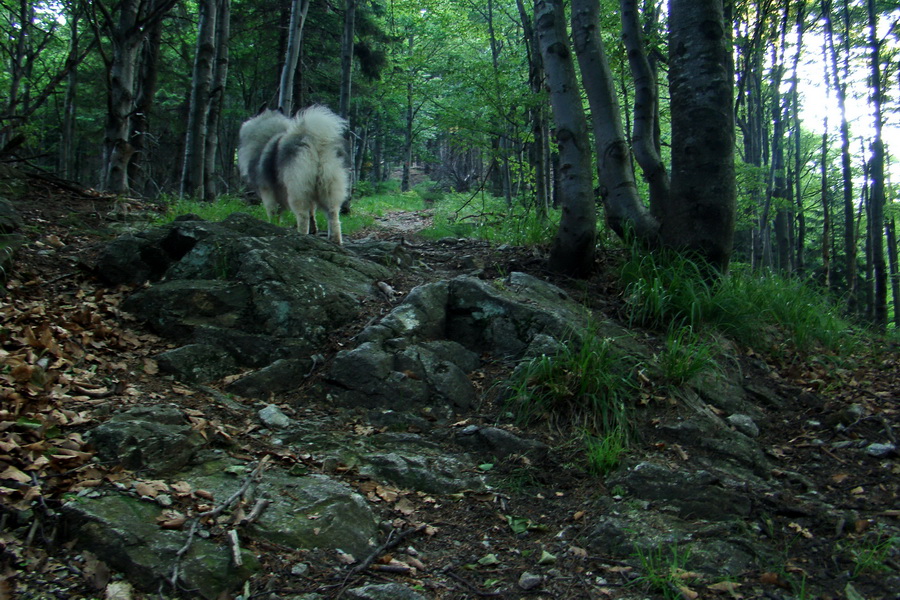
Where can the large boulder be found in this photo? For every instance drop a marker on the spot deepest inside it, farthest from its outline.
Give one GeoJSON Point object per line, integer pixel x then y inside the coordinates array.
{"type": "Point", "coordinates": [258, 292]}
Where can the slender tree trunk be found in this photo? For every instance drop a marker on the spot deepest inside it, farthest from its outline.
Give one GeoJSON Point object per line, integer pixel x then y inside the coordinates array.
{"type": "Point", "coordinates": [573, 247]}
{"type": "Point", "coordinates": [826, 214]}
{"type": "Point", "coordinates": [645, 136]}
{"type": "Point", "coordinates": [299, 8]}
{"type": "Point", "coordinates": [701, 85]}
{"type": "Point", "coordinates": [195, 142]}
{"type": "Point", "coordinates": [877, 176]}
{"type": "Point", "coordinates": [347, 57]}
{"type": "Point", "coordinates": [217, 100]}
{"type": "Point", "coordinates": [117, 148]}
{"type": "Point", "coordinates": [408, 130]}
{"type": "Point", "coordinates": [622, 203]}
{"type": "Point", "coordinates": [126, 33]}
{"type": "Point", "coordinates": [840, 90]}
{"type": "Point", "coordinates": [147, 77]}
{"type": "Point", "coordinates": [537, 151]}
{"type": "Point", "coordinates": [891, 235]}
{"type": "Point", "coordinates": [67, 132]}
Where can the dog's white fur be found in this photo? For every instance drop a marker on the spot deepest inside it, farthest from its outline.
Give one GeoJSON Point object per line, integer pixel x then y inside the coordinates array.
{"type": "Point", "coordinates": [297, 163]}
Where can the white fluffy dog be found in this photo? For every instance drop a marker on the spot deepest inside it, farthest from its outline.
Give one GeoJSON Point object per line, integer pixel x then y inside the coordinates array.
{"type": "Point", "coordinates": [298, 164]}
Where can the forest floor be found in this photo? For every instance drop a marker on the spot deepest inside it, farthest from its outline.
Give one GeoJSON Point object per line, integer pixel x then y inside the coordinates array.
{"type": "Point", "coordinates": [53, 305]}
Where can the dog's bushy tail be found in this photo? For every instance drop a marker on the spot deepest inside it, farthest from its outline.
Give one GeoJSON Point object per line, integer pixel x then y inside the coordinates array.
{"type": "Point", "coordinates": [319, 123]}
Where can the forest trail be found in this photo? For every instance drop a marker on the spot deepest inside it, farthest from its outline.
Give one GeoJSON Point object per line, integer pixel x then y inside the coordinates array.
{"type": "Point", "coordinates": [815, 433]}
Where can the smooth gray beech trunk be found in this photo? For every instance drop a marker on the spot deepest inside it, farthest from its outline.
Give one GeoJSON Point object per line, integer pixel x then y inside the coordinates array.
{"type": "Point", "coordinates": [195, 141]}
{"type": "Point", "coordinates": [701, 212]}
{"type": "Point", "coordinates": [618, 190]}
{"type": "Point", "coordinates": [573, 249]}
{"type": "Point", "coordinates": [876, 212]}
{"type": "Point", "coordinates": [217, 99]}
{"type": "Point", "coordinates": [299, 8]}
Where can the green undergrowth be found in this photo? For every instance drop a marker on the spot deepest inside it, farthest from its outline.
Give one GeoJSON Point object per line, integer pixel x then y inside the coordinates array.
{"type": "Point", "coordinates": [766, 312]}
{"type": "Point", "coordinates": [477, 216]}
{"type": "Point", "coordinates": [584, 389]}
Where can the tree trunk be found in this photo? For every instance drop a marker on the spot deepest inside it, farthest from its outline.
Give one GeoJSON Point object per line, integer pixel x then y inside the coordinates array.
{"type": "Point", "coordinates": [201, 82]}
{"type": "Point", "coordinates": [147, 77]}
{"type": "Point", "coordinates": [299, 8]}
{"type": "Point", "coordinates": [217, 100]}
{"type": "Point", "coordinates": [644, 136]}
{"type": "Point", "coordinates": [573, 247]}
{"type": "Point", "coordinates": [347, 57]}
{"type": "Point", "coordinates": [877, 174]}
{"type": "Point", "coordinates": [537, 150]}
{"type": "Point", "coordinates": [67, 131]}
{"type": "Point", "coordinates": [126, 34]}
{"type": "Point", "coordinates": [618, 190]}
{"type": "Point", "coordinates": [408, 130]}
{"type": "Point", "coordinates": [891, 234]}
{"type": "Point", "coordinates": [701, 84]}
{"type": "Point", "coordinates": [840, 90]}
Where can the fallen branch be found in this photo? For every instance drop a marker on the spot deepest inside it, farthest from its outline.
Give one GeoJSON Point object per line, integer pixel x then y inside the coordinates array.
{"type": "Point", "coordinates": [212, 513]}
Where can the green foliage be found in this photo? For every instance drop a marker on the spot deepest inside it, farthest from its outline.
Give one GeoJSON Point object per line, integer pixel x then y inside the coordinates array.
{"type": "Point", "coordinates": [664, 569]}
{"type": "Point", "coordinates": [586, 384]}
{"type": "Point", "coordinates": [488, 218]}
{"type": "Point", "coordinates": [604, 453]}
{"type": "Point", "coordinates": [686, 355]}
{"type": "Point", "coordinates": [763, 311]}
{"type": "Point", "coordinates": [870, 554]}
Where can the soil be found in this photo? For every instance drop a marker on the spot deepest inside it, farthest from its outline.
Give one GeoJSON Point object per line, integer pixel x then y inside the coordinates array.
{"type": "Point", "coordinates": [102, 362]}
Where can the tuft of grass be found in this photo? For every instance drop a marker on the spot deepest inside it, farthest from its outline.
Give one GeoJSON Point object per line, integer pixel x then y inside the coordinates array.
{"type": "Point", "coordinates": [686, 355]}
{"type": "Point", "coordinates": [488, 218]}
{"type": "Point", "coordinates": [584, 385]}
{"type": "Point", "coordinates": [664, 569]}
{"type": "Point", "coordinates": [605, 453]}
{"type": "Point", "coordinates": [870, 554]}
{"type": "Point", "coordinates": [763, 311]}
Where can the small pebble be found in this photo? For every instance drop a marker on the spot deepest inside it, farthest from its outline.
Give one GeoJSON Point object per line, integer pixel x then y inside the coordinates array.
{"type": "Point", "coordinates": [880, 450]}
{"type": "Point", "coordinates": [529, 581]}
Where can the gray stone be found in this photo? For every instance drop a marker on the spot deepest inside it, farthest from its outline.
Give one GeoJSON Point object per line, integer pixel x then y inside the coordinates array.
{"type": "Point", "coordinates": [385, 591]}
{"type": "Point", "coordinates": [311, 511]}
{"type": "Point", "coordinates": [153, 438]}
{"type": "Point", "coordinates": [744, 424]}
{"type": "Point", "coordinates": [122, 531]}
{"type": "Point", "coordinates": [197, 363]}
{"type": "Point", "coordinates": [499, 443]}
{"type": "Point", "coordinates": [431, 474]}
{"type": "Point", "coordinates": [529, 581]}
{"type": "Point", "coordinates": [880, 450]}
{"type": "Point", "coordinates": [271, 416]}
{"type": "Point", "coordinates": [281, 376]}
{"type": "Point", "coordinates": [699, 494]}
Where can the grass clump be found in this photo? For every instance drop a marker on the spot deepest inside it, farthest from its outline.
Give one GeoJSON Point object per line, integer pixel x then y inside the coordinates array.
{"type": "Point", "coordinates": [664, 569]}
{"type": "Point", "coordinates": [686, 355]}
{"type": "Point", "coordinates": [870, 555]}
{"type": "Point", "coordinates": [584, 386]}
{"type": "Point", "coordinates": [763, 311]}
{"type": "Point", "coordinates": [487, 218]}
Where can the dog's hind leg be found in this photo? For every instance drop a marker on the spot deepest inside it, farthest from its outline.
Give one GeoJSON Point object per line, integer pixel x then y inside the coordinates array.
{"type": "Point", "coordinates": [270, 202]}
{"type": "Point", "coordinates": [334, 225]}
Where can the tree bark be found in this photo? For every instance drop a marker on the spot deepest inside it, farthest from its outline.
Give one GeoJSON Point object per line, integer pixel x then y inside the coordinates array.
{"type": "Point", "coordinates": [646, 110]}
{"type": "Point", "coordinates": [876, 215]}
{"type": "Point", "coordinates": [217, 100]}
{"type": "Point", "coordinates": [573, 247]}
{"type": "Point", "coordinates": [701, 84]}
{"type": "Point", "coordinates": [299, 8]}
{"type": "Point", "coordinates": [347, 57]}
{"type": "Point", "coordinates": [201, 83]}
{"type": "Point", "coordinates": [840, 90]}
{"type": "Point", "coordinates": [618, 190]}
{"type": "Point", "coordinates": [126, 33]}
